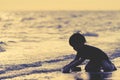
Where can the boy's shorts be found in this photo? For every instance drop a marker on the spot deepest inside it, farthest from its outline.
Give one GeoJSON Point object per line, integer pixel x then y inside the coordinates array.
{"type": "Point", "coordinates": [97, 66]}
{"type": "Point", "coordinates": [108, 66]}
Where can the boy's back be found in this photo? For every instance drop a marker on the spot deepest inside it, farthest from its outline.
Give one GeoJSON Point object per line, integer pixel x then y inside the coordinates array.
{"type": "Point", "coordinates": [92, 53]}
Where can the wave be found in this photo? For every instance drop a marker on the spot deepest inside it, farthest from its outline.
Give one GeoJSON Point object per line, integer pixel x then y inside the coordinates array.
{"type": "Point", "coordinates": [27, 69]}
{"type": "Point", "coordinates": [91, 34]}
{"type": "Point", "coordinates": [39, 63]}
{"type": "Point", "coordinates": [27, 19]}
{"type": "Point", "coordinates": [2, 44]}
{"type": "Point", "coordinates": [29, 72]}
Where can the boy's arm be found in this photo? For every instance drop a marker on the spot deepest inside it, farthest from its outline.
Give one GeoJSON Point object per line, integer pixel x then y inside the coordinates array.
{"type": "Point", "coordinates": [72, 64]}
{"type": "Point", "coordinates": [75, 62]}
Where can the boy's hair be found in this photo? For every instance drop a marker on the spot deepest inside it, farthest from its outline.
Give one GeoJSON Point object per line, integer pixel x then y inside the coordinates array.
{"type": "Point", "coordinates": [76, 39]}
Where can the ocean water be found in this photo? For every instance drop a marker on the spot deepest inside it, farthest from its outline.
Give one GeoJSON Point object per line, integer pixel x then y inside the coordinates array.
{"type": "Point", "coordinates": [34, 44]}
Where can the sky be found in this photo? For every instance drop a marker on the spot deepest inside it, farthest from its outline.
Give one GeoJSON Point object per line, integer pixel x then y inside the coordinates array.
{"type": "Point", "coordinates": [59, 4]}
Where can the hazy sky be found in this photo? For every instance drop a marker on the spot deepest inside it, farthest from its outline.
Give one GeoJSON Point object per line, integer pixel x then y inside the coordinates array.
{"type": "Point", "coordinates": [59, 4]}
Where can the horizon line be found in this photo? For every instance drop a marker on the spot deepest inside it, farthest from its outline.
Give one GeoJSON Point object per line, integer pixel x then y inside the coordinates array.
{"type": "Point", "coordinates": [62, 10]}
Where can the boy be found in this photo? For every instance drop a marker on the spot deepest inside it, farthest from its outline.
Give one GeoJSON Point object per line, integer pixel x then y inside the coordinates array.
{"type": "Point", "coordinates": [98, 59]}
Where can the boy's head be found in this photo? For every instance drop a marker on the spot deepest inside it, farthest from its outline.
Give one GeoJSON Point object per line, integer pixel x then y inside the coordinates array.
{"type": "Point", "coordinates": [77, 40]}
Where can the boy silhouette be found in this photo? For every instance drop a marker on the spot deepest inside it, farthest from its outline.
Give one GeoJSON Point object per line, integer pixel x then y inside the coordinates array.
{"type": "Point", "coordinates": [98, 60]}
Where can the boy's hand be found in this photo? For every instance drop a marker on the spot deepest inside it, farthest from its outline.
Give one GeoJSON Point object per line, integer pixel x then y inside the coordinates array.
{"type": "Point", "coordinates": [66, 69]}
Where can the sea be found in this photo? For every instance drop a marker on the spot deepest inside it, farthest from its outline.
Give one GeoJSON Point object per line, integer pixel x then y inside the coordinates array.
{"type": "Point", "coordinates": [34, 45]}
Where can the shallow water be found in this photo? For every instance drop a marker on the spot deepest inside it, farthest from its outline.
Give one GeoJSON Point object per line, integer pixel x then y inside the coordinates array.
{"type": "Point", "coordinates": [35, 43]}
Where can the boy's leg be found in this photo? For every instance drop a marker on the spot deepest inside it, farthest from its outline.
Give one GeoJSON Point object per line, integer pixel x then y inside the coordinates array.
{"type": "Point", "coordinates": [108, 66]}
{"type": "Point", "coordinates": [93, 66]}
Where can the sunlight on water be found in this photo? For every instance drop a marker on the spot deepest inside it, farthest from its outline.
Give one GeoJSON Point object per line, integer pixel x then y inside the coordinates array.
{"type": "Point", "coordinates": [37, 42]}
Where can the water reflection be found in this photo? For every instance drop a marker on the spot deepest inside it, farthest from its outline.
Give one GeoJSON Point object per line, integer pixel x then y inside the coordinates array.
{"type": "Point", "coordinates": [99, 76]}
{"type": "Point", "coordinates": [94, 76]}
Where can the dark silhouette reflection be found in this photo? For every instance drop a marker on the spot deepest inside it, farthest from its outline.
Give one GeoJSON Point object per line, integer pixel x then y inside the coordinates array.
{"type": "Point", "coordinates": [99, 76]}
{"type": "Point", "coordinates": [98, 60]}
{"type": "Point", "coordinates": [94, 76]}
